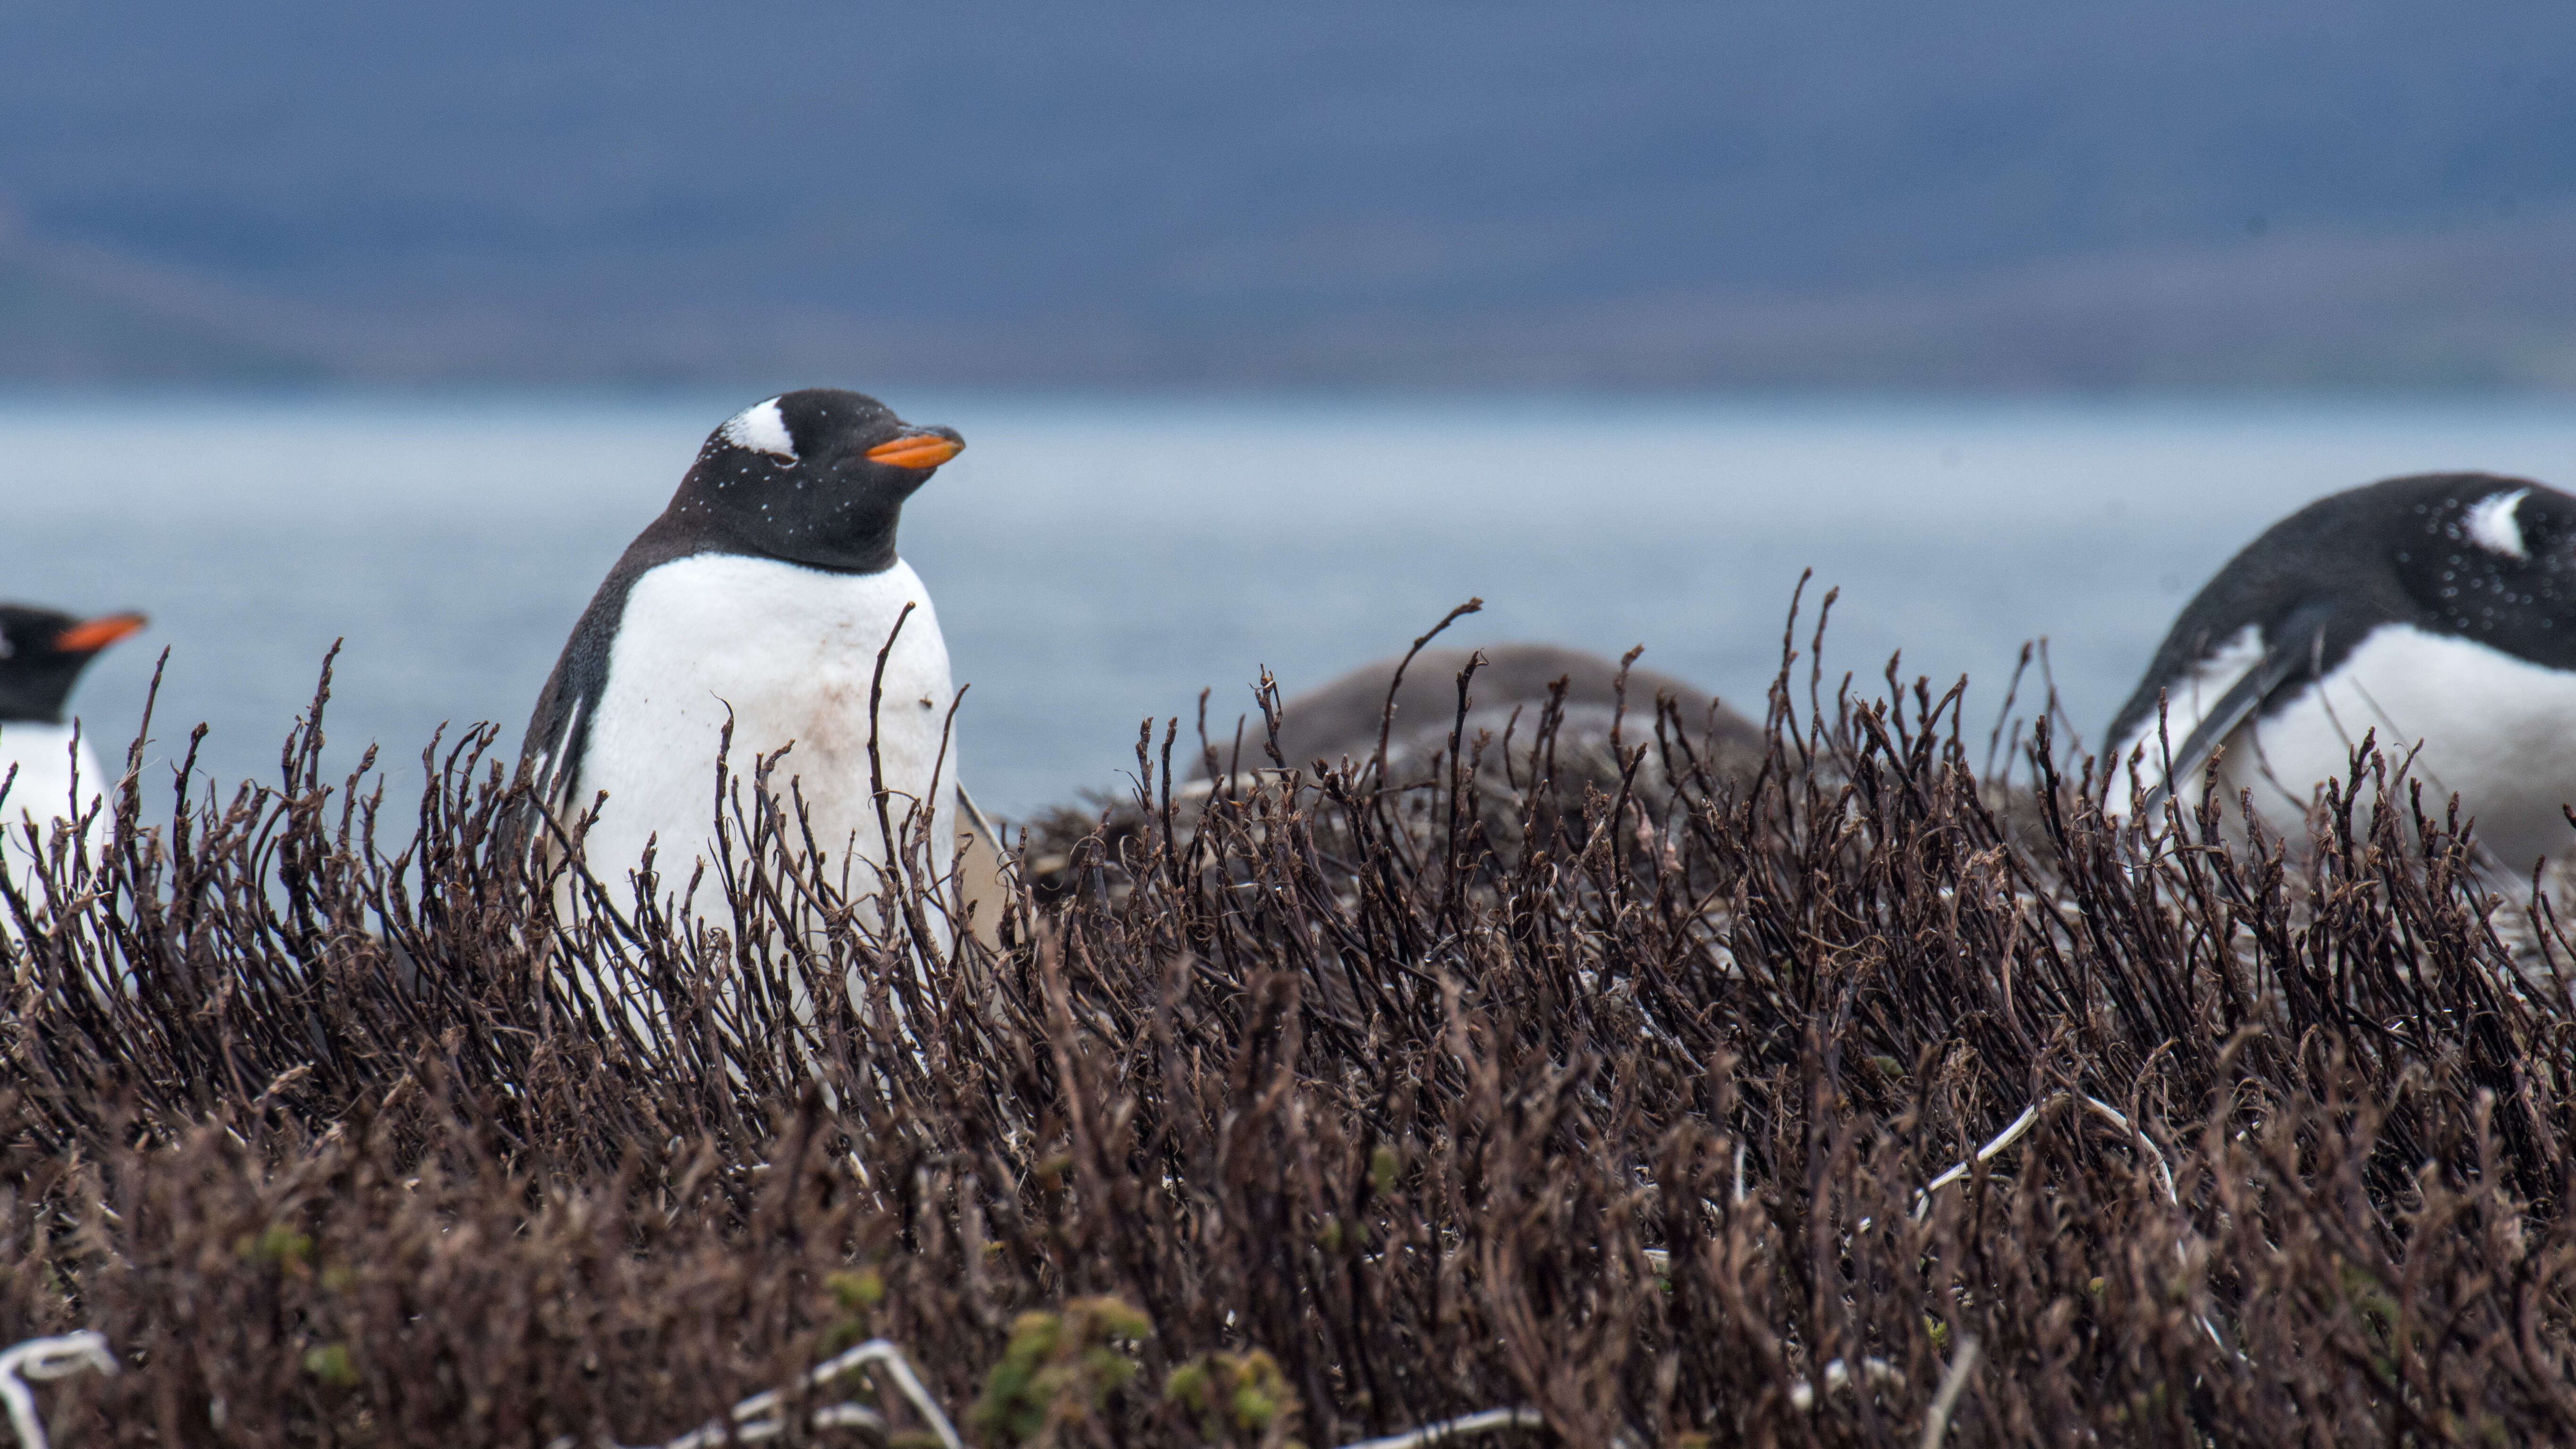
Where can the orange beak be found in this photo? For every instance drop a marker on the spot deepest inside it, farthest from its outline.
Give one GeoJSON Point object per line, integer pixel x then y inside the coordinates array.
{"type": "Point", "coordinates": [923, 450]}
{"type": "Point", "coordinates": [93, 635]}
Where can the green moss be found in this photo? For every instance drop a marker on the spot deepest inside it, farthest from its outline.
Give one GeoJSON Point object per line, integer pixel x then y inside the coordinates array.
{"type": "Point", "coordinates": [332, 1365]}
{"type": "Point", "coordinates": [1232, 1398]}
{"type": "Point", "coordinates": [857, 1289]}
{"type": "Point", "coordinates": [280, 1246]}
{"type": "Point", "coordinates": [1059, 1368]}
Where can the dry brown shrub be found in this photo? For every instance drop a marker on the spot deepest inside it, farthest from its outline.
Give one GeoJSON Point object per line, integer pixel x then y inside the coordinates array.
{"type": "Point", "coordinates": [1626, 1119]}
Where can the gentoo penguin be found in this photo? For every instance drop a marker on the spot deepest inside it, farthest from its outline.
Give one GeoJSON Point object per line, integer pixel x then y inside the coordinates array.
{"type": "Point", "coordinates": [762, 595]}
{"type": "Point", "coordinates": [42, 654]}
{"type": "Point", "coordinates": [1340, 720]}
{"type": "Point", "coordinates": [1338, 723]}
{"type": "Point", "coordinates": [2437, 610]}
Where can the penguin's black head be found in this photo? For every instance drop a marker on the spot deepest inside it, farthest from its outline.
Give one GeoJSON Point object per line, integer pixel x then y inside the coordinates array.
{"type": "Point", "coordinates": [815, 477]}
{"type": "Point", "coordinates": [42, 654]}
{"type": "Point", "coordinates": [2491, 559]}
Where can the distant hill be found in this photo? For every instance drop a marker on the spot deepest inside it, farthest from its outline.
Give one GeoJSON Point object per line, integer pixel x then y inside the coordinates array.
{"type": "Point", "coordinates": [1991, 193]}
{"type": "Point", "coordinates": [70, 318]}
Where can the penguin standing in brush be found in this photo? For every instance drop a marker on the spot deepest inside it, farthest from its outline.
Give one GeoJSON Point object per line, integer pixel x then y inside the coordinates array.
{"type": "Point", "coordinates": [52, 774]}
{"type": "Point", "coordinates": [762, 596]}
{"type": "Point", "coordinates": [2438, 611]}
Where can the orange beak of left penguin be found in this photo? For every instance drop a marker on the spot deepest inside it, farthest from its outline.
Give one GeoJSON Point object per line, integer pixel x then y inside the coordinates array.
{"type": "Point", "coordinates": [92, 635]}
{"type": "Point", "coordinates": [924, 451]}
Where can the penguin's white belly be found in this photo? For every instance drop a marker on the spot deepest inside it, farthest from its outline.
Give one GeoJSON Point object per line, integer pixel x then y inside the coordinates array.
{"type": "Point", "coordinates": [50, 785]}
{"type": "Point", "coordinates": [2497, 730]}
{"type": "Point", "coordinates": [788, 654]}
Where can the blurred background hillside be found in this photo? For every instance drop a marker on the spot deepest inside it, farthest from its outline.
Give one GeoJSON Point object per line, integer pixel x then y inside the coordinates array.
{"type": "Point", "coordinates": [1275, 330]}
{"type": "Point", "coordinates": [1986, 194]}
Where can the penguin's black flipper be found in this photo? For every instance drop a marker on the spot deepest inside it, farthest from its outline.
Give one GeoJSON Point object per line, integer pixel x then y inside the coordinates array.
{"type": "Point", "coordinates": [2296, 653]}
{"type": "Point", "coordinates": [559, 733]}
{"type": "Point", "coordinates": [552, 750]}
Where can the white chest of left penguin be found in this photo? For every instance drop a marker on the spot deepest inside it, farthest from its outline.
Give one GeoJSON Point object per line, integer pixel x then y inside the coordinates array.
{"type": "Point", "coordinates": [789, 654]}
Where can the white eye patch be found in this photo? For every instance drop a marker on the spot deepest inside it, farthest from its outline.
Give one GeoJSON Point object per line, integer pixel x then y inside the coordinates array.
{"type": "Point", "coordinates": [761, 429]}
{"type": "Point", "coordinates": [2493, 527]}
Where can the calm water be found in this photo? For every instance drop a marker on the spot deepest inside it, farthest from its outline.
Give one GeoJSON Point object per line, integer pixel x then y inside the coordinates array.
{"type": "Point", "coordinates": [1098, 562]}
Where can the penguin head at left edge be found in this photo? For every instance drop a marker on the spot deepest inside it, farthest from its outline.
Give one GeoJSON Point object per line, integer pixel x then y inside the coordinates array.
{"type": "Point", "coordinates": [42, 654]}
{"type": "Point", "coordinates": [816, 477]}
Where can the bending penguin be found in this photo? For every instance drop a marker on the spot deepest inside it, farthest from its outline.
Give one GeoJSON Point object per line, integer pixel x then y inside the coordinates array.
{"type": "Point", "coordinates": [1340, 719]}
{"type": "Point", "coordinates": [1585, 748]}
{"type": "Point", "coordinates": [762, 595]}
{"type": "Point", "coordinates": [2437, 610]}
{"type": "Point", "coordinates": [53, 773]}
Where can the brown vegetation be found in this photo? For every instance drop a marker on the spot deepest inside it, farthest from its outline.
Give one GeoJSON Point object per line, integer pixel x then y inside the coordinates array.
{"type": "Point", "coordinates": [1307, 1111]}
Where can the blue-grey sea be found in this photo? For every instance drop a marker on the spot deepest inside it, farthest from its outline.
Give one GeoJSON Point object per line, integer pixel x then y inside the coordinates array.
{"type": "Point", "coordinates": [1098, 561]}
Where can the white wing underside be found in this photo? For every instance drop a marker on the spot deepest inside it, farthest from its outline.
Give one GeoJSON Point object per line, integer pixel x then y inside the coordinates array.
{"type": "Point", "coordinates": [2190, 700]}
{"type": "Point", "coordinates": [2495, 729]}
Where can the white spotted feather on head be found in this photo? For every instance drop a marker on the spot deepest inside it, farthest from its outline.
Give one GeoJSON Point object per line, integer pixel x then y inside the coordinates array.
{"type": "Point", "coordinates": [761, 428]}
{"type": "Point", "coordinates": [2493, 527]}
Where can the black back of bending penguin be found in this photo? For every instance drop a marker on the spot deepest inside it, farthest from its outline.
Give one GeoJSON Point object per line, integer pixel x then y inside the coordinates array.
{"type": "Point", "coordinates": [2446, 553]}
{"type": "Point", "coordinates": [820, 482]}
